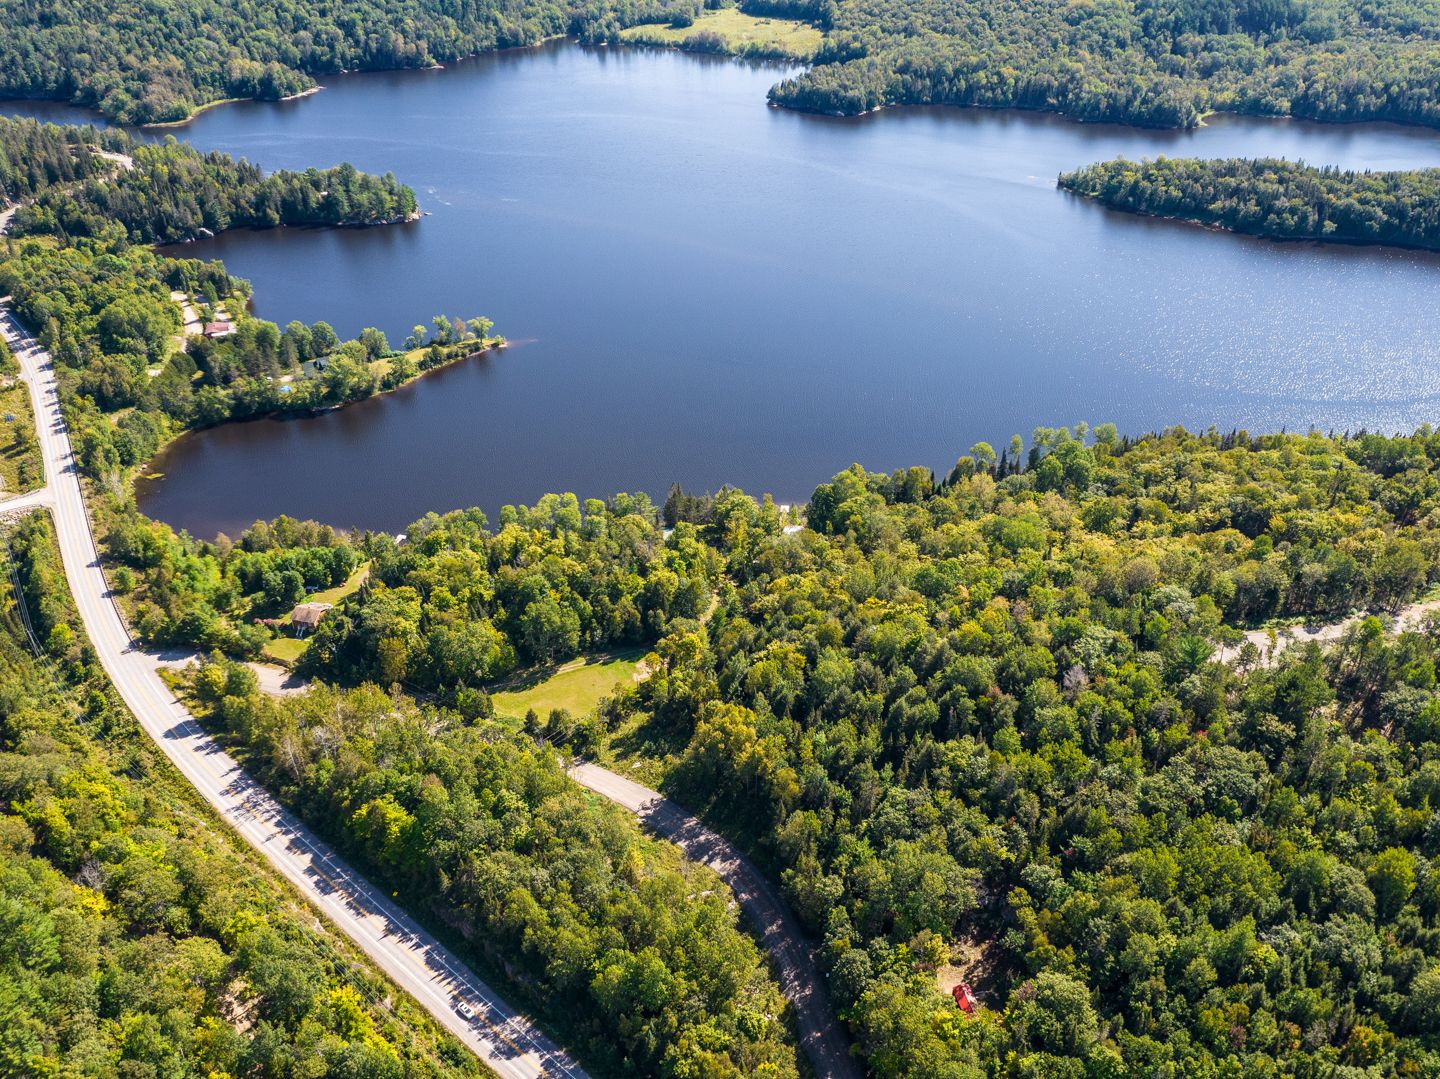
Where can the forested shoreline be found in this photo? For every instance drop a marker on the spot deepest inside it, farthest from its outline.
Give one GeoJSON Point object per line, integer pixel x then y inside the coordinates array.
{"type": "Point", "coordinates": [984, 714]}
{"type": "Point", "coordinates": [630, 951]}
{"type": "Point", "coordinates": [1156, 63]}
{"type": "Point", "coordinates": [1163, 63]}
{"type": "Point", "coordinates": [104, 309]}
{"type": "Point", "coordinates": [980, 712]}
{"type": "Point", "coordinates": [78, 267]}
{"type": "Point", "coordinates": [999, 726]}
{"type": "Point", "coordinates": [174, 57]}
{"type": "Point", "coordinates": [76, 182]}
{"type": "Point", "coordinates": [1273, 198]}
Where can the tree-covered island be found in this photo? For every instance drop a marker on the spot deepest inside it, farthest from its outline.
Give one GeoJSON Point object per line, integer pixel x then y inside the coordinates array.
{"type": "Point", "coordinates": [1274, 198]}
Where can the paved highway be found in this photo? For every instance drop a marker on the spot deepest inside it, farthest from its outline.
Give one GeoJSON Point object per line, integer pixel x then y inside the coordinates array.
{"type": "Point", "coordinates": [821, 1035]}
{"type": "Point", "coordinates": [507, 1042]}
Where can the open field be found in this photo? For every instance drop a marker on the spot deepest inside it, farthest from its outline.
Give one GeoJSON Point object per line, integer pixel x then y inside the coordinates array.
{"type": "Point", "coordinates": [739, 31]}
{"type": "Point", "coordinates": [576, 688]}
{"type": "Point", "coordinates": [334, 596]}
{"type": "Point", "coordinates": [286, 650]}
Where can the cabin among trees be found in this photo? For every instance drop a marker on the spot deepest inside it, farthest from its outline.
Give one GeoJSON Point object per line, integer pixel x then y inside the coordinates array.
{"type": "Point", "coordinates": [306, 616]}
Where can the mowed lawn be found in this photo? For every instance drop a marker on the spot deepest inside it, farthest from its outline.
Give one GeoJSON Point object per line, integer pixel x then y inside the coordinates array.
{"type": "Point", "coordinates": [285, 649]}
{"type": "Point", "coordinates": [738, 29]}
{"type": "Point", "coordinates": [288, 650]}
{"type": "Point", "coordinates": [352, 584]}
{"type": "Point", "coordinates": [576, 689]}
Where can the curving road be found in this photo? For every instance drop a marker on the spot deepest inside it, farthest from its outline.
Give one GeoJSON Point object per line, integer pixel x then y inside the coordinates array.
{"type": "Point", "coordinates": [1409, 617]}
{"type": "Point", "coordinates": [505, 1040]}
{"type": "Point", "coordinates": [821, 1035]}
{"type": "Point", "coordinates": [276, 681]}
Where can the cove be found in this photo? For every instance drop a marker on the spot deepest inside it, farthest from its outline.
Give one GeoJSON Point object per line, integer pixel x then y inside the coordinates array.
{"type": "Point", "coordinates": [705, 290]}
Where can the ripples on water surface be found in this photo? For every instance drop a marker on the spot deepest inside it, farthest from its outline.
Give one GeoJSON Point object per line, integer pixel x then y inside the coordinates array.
{"type": "Point", "coordinates": [709, 291]}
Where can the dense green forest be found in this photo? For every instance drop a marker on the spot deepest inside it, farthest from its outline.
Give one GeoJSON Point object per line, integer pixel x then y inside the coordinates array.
{"type": "Point", "coordinates": [81, 181]}
{"type": "Point", "coordinates": [173, 192]}
{"type": "Point", "coordinates": [1007, 714]}
{"type": "Point", "coordinates": [456, 606]}
{"type": "Point", "coordinates": [139, 937]}
{"type": "Point", "coordinates": [543, 587]}
{"type": "Point", "coordinates": [633, 953]}
{"type": "Point", "coordinates": [1271, 197]}
{"type": "Point", "coordinates": [995, 710]}
{"type": "Point", "coordinates": [1157, 62]}
{"type": "Point", "coordinates": [990, 714]}
{"type": "Point", "coordinates": [162, 60]}
{"type": "Point", "coordinates": [1164, 63]}
{"type": "Point", "coordinates": [33, 156]}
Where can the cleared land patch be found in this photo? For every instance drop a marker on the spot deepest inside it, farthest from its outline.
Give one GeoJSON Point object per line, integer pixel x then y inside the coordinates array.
{"type": "Point", "coordinates": [731, 30]}
{"type": "Point", "coordinates": [351, 585]}
{"type": "Point", "coordinates": [286, 650]}
{"type": "Point", "coordinates": [577, 688]}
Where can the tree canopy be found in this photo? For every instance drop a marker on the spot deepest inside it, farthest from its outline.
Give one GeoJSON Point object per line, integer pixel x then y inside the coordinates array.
{"type": "Point", "coordinates": [173, 193]}
{"type": "Point", "coordinates": [163, 60]}
{"type": "Point", "coordinates": [1271, 197]}
{"type": "Point", "coordinates": [34, 156]}
{"type": "Point", "coordinates": [82, 181]}
{"type": "Point", "coordinates": [140, 938]}
{"type": "Point", "coordinates": [1162, 63]}
{"type": "Point", "coordinates": [996, 711]}
{"type": "Point", "coordinates": [1158, 62]}
{"type": "Point", "coordinates": [1014, 710]}
{"type": "Point", "coordinates": [632, 953]}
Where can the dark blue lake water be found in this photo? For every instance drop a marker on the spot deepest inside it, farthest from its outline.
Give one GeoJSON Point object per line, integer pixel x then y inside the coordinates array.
{"type": "Point", "coordinates": [706, 290]}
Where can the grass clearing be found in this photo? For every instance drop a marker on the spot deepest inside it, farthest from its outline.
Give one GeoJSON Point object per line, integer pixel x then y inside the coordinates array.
{"type": "Point", "coordinates": [285, 650]}
{"type": "Point", "coordinates": [288, 650]}
{"type": "Point", "coordinates": [352, 584]}
{"type": "Point", "coordinates": [740, 32]}
{"type": "Point", "coordinates": [412, 358]}
{"type": "Point", "coordinates": [20, 467]}
{"type": "Point", "coordinates": [333, 596]}
{"type": "Point", "coordinates": [576, 688]}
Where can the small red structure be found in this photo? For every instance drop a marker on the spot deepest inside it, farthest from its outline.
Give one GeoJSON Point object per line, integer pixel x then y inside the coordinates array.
{"type": "Point", "coordinates": [218, 329]}
{"type": "Point", "coordinates": [964, 998]}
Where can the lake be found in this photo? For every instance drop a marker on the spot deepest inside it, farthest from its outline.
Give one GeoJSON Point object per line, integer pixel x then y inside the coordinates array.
{"type": "Point", "coordinates": [704, 290]}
